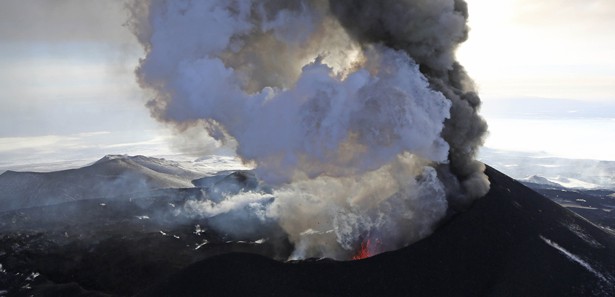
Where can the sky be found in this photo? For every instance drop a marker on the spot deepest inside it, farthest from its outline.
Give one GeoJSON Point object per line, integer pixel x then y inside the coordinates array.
{"type": "Point", "coordinates": [550, 48]}
{"type": "Point", "coordinates": [531, 61]}
{"type": "Point", "coordinates": [67, 88]}
{"type": "Point", "coordinates": [68, 92]}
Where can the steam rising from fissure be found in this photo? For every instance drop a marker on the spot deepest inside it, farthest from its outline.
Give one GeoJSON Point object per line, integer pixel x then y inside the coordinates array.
{"type": "Point", "coordinates": [354, 112]}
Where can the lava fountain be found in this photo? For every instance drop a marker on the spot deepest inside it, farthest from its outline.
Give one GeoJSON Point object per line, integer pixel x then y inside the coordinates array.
{"type": "Point", "coordinates": [368, 248]}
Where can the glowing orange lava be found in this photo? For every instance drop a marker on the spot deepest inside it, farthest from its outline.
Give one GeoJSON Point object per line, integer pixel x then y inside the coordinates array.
{"type": "Point", "coordinates": [363, 252]}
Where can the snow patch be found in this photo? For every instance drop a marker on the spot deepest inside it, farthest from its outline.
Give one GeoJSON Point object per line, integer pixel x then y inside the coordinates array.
{"type": "Point", "coordinates": [574, 258]}
{"type": "Point", "coordinates": [536, 179]}
{"type": "Point", "coordinates": [198, 246]}
{"type": "Point", "coordinates": [212, 164]}
{"type": "Point", "coordinates": [549, 165]}
{"type": "Point", "coordinates": [198, 230]}
{"type": "Point", "coordinates": [580, 232]}
{"type": "Point", "coordinates": [573, 183]}
{"type": "Point", "coordinates": [561, 181]}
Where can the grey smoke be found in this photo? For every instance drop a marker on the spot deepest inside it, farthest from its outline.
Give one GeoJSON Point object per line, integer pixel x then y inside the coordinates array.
{"type": "Point", "coordinates": [354, 111]}
{"type": "Point", "coordinates": [430, 32]}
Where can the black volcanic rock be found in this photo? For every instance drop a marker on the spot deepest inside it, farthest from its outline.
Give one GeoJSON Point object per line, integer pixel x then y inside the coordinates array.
{"type": "Point", "coordinates": [115, 246]}
{"type": "Point", "coordinates": [512, 242]}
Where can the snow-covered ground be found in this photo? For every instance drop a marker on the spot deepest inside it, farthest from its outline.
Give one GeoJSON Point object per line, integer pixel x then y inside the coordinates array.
{"type": "Point", "coordinates": [556, 142]}
{"type": "Point", "coordinates": [542, 168]}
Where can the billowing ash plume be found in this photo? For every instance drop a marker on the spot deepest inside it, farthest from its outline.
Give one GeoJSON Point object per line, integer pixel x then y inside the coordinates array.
{"type": "Point", "coordinates": [355, 112]}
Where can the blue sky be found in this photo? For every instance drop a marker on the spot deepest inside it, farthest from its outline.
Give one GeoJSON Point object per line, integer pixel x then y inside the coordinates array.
{"type": "Point", "coordinates": [67, 88]}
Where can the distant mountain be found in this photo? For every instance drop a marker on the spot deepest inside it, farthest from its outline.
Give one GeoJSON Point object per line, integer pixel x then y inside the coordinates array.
{"type": "Point", "coordinates": [539, 181]}
{"type": "Point", "coordinates": [113, 175]}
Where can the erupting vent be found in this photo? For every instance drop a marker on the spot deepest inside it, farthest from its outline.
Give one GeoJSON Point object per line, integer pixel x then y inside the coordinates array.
{"type": "Point", "coordinates": [354, 112]}
{"type": "Point", "coordinates": [368, 249]}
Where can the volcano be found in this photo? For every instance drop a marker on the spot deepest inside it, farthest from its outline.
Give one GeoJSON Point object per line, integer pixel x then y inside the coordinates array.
{"type": "Point", "coordinates": [511, 242]}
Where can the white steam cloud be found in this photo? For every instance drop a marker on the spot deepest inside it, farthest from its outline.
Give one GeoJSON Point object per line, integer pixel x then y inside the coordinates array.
{"type": "Point", "coordinates": [362, 136]}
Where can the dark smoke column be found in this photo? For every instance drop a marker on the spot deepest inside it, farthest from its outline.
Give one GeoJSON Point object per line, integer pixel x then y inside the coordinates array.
{"type": "Point", "coordinates": [429, 31]}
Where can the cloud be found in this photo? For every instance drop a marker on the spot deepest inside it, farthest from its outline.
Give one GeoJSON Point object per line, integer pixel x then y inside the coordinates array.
{"type": "Point", "coordinates": [63, 21]}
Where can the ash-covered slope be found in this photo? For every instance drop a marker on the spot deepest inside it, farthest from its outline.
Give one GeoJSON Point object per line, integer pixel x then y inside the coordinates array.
{"type": "Point", "coordinates": [512, 242]}
{"type": "Point", "coordinates": [117, 246]}
{"type": "Point", "coordinates": [110, 176]}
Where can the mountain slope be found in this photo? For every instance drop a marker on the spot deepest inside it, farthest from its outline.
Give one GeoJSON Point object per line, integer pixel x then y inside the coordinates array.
{"type": "Point", "coordinates": [512, 242]}
{"type": "Point", "coordinates": [110, 176]}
